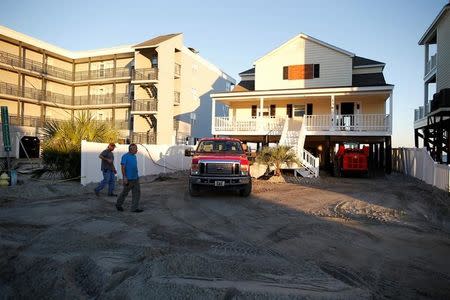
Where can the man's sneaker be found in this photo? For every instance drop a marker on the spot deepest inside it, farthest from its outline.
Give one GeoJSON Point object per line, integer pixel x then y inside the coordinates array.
{"type": "Point", "coordinates": [137, 210]}
{"type": "Point", "coordinates": [112, 195]}
{"type": "Point", "coordinates": [119, 208]}
{"type": "Point", "coordinates": [96, 193]}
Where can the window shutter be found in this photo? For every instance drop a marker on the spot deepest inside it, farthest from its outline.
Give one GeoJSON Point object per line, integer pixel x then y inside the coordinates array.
{"type": "Point", "coordinates": [272, 110]}
{"type": "Point", "coordinates": [253, 110]}
{"type": "Point", "coordinates": [285, 72]}
{"type": "Point", "coordinates": [289, 110]}
{"type": "Point", "coordinates": [316, 71]}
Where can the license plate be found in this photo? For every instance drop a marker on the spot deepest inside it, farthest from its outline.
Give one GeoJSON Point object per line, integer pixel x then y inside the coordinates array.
{"type": "Point", "coordinates": [219, 183]}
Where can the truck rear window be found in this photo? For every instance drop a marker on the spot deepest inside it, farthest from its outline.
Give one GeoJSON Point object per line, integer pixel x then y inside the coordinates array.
{"type": "Point", "coordinates": [220, 146]}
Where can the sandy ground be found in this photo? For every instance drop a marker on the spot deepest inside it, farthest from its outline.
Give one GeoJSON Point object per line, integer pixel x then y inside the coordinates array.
{"type": "Point", "coordinates": [341, 238]}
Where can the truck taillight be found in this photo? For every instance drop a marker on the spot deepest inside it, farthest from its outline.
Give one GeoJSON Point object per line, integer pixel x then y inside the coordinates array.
{"type": "Point", "coordinates": [245, 169]}
{"type": "Point", "coordinates": [195, 169]}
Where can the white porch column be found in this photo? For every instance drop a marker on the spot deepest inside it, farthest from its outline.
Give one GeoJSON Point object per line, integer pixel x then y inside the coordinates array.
{"type": "Point", "coordinates": [391, 110]}
{"type": "Point", "coordinates": [333, 113]}
{"type": "Point", "coordinates": [260, 117]}
{"type": "Point", "coordinates": [213, 117]}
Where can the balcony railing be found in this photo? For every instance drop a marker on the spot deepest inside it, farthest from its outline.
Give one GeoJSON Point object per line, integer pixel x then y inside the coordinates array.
{"type": "Point", "coordinates": [121, 124]}
{"type": "Point", "coordinates": [102, 73]}
{"type": "Point", "coordinates": [430, 65]}
{"type": "Point", "coordinates": [177, 70]}
{"type": "Point", "coordinates": [16, 61]}
{"type": "Point", "coordinates": [257, 126]}
{"type": "Point", "coordinates": [101, 99]}
{"type": "Point", "coordinates": [59, 72]}
{"type": "Point", "coordinates": [58, 98]}
{"type": "Point", "coordinates": [145, 74]}
{"type": "Point", "coordinates": [143, 138]}
{"type": "Point", "coordinates": [28, 121]}
{"type": "Point", "coordinates": [15, 90]}
{"type": "Point", "coordinates": [177, 97]}
{"type": "Point", "coordinates": [146, 105]}
{"type": "Point", "coordinates": [361, 122]}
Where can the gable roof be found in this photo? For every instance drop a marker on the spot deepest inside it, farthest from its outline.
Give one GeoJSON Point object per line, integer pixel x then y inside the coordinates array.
{"type": "Point", "coordinates": [245, 86]}
{"type": "Point", "coordinates": [370, 79]}
{"type": "Point", "coordinates": [433, 25]}
{"type": "Point", "coordinates": [156, 41]}
{"type": "Point", "coordinates": [248, 72]}
{"type": "Point", "coordinates": [309, 38]}
{"type": "Point", "coordinates": [361, 62]}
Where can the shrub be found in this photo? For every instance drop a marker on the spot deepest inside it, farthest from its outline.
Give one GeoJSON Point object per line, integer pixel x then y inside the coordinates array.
{"type": "Point", "coordinates": [276, 156]}
{"type": "Point", "coordinates": [61, 151]}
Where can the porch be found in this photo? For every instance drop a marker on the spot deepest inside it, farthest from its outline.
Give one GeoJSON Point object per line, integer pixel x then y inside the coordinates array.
{"type": "Point", "coordinates": [356, 124]}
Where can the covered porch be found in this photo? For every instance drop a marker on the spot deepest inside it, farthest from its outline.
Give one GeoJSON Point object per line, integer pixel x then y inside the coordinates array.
{"type": "Point", "coordinates": [363, 111]}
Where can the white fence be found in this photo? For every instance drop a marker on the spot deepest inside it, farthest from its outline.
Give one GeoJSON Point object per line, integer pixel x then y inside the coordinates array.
{"type": "Point", "coordinates": [416, 162]}
{"type": "Point", "coordinates": [152, 159]}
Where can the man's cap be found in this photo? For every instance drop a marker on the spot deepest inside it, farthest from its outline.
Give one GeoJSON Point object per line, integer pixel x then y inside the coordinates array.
{"type": "Point", "coordinates": [112, 145]}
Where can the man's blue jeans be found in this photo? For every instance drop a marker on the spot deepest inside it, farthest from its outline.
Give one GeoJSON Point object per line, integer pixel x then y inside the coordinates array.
{"type": "Point", "coordinates": [108, 178]}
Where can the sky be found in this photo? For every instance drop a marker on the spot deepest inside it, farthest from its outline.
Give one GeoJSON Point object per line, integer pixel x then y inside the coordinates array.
{"type": "Point", "coordinates": [233, 34]}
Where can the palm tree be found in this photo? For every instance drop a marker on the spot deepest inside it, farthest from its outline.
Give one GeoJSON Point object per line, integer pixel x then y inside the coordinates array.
{"type": "Point", "coordinates": [276, 156]}
{"type": "Point", "coordinates": [62, 142]}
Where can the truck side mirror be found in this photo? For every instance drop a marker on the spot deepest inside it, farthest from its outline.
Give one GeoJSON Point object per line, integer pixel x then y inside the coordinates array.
{"type": "Point", "coordinates": [189, 152]}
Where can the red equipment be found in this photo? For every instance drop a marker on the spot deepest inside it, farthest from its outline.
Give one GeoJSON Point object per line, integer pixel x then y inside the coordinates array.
{"type": "Point", "coordinates": [352, 160]}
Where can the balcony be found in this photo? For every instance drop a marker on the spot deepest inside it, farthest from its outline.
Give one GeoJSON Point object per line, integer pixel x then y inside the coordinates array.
{"type": "Point", "coordinates": [430, 66]}
{"type": "Point", "coordinates": [177, 97]}
{"type": "Point", "coordinates": [145, 74]}
{"type": "Point", "coordinates": [102, 73]}
{"type": "Point", "coordinates": [24, 63]}
{"type": "Point", "coordinates": [177, 71]}
{"type": "Point", "coordinates": [140, 106]}
{"type": "Point", "coordinates": [59, 72]}
{"type": "Point", "coordinates": [143, 138]}
{"type": "Point", "coordinates": [28, 121]}
{"type": "Point", "coordinates": [25, 92]}
{"type": "Point", "coordinates": [58, 98]}
{"type": "Point", "coordinates": [121, 124]}
{"type": "Point", "coordinates": [249, 126]}
{"type": "Point", "coordinates": [314, 124]}
{"type": "Point", "coordinates": [101, 99]}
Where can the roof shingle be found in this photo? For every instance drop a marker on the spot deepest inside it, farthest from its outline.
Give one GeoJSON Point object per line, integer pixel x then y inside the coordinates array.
{"type": "Point", "coordinates": [156, 41]}
{"type": "Point", "coordinates": [371, 79]}
{"type": "Point", "coordinates": [362, 61]}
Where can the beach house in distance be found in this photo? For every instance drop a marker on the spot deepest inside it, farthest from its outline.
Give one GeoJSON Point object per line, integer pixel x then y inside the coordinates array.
{"type": "Point", "coordinates": [153, 92]}
{"type": "Point", "coordinates": [312, 96]}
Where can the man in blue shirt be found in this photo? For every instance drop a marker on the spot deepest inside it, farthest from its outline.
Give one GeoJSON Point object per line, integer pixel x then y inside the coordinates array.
{"type": "Point", "coordinates": [130, 180]}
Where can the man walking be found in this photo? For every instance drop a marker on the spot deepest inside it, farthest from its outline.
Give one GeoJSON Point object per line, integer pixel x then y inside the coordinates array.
{"type": "Point", "coordinates": [130, 180]}
{"type": "Point", "coordinates": [108, 170]}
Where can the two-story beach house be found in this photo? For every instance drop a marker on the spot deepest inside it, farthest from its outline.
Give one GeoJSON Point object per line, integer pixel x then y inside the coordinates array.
{"type": "Point", "coordinates": [312, 96]}
{"type": "Point", "coordinates": [432, 120]}
{"type": "Point", "coordinates": [154, 92]}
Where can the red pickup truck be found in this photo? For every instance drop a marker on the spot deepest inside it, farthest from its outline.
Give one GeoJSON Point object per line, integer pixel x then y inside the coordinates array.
{"type": "Point", "coordinates": [220, 163]}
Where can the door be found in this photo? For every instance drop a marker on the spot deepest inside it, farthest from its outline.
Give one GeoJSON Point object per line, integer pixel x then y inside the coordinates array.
{"type": "Point", "coordinates": [347, 110]}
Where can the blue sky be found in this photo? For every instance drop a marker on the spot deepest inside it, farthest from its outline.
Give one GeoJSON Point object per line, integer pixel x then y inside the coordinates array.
{"type": "Point", "coordinates": [232, 34]}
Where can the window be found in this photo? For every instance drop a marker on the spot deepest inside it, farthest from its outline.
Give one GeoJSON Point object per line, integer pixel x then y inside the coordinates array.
{"type": "Point", "coordinates": [289, 110]}
{"type": "Point", "coordinates": [299, 110]}
{"type": "Point", "coordinates": [316, 71]}
{"type": "Point", "coordinates": [272, 110]}
{"type": "Point", "coordinates": [154, 60]}
{"type": "Point", "coordinates": [254, 110]}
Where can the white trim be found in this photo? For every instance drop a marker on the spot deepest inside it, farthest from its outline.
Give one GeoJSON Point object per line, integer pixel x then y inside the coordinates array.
{"type": "Point", "coordinates": [428, 32]}
{"type": "Point", "coordinates": [310, 38]}
{"type": "Point", "coordinates": [63, 52]}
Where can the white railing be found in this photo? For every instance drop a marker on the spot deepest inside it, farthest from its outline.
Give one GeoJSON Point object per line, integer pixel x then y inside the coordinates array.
{"type": "Point", "coordinates": [360, 122]}
{"type": "Point", "coordinates": [310, 162]}
{"type": "Point", "coordinates": [417, 162]}
{"type": "Point", "coordinates": [257, 125]}
{"type": "Point", "coordinates": [430, 65]}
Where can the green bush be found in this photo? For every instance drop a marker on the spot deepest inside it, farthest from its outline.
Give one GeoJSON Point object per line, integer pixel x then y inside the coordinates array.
{"type": "Point", "coordinates": [61, 151]}
{"type": "Point", "coordinates": [276, 156]}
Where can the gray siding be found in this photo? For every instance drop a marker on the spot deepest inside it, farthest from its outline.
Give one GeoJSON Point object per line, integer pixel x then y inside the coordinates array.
{"type": "Point", "coordinates": [443, 53]}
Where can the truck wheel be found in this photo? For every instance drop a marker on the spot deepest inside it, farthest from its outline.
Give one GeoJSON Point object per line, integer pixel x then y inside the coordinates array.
{"type": "Point", "coordinates": [245, 192]}
{"type": "Point", "coordinates": [194, 190]}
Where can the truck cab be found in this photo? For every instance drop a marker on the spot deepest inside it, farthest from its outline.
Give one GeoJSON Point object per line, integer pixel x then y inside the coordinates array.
{"type": "Point", "coordinates": [220, 163]}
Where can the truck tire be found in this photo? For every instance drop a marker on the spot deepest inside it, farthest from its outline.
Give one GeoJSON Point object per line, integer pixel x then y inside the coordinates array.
{"type": "Point", "coordinates": [194, 190]}
{"type": "Point", "coordinates": [245, 192]}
